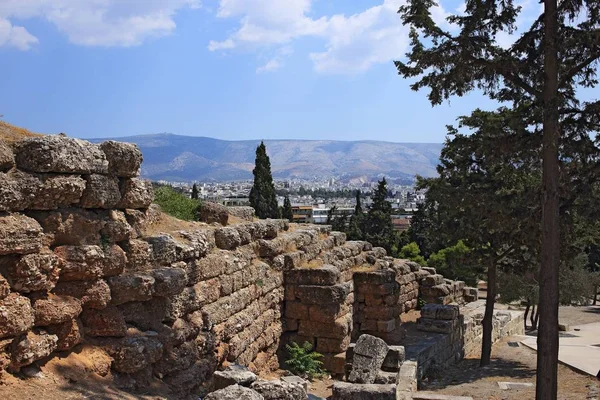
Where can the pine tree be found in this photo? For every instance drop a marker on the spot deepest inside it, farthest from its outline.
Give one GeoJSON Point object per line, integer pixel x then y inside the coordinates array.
{"type": "Point", "coordinates": [287, 212]}
{"type": "Point", "coordinates": [358, 207]}
{"type": "Point", "coordinates": [377, 226]}
{"type": "Point", "coordinates": [262, 195]}
{"type": "Point", "coordinates": [541, 70]}
{"type": "Point", "coordinates": [194, 191]}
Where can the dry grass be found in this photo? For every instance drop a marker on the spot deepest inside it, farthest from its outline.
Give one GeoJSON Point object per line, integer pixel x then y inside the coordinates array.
{"type": "Point", "coordinates": [364, 268]}
{"type": "Point", "coordinates": [11, 134]}
{"type": "Point", "coordinates": [314, 263]}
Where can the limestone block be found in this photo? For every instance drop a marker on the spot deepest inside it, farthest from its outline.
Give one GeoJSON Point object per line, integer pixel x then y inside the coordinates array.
{"type": "Point", "coordinates": [135, 287]}
{"type": "Point", "coordinates": [323, 276]}
{"type": "Point", "coordinates": [369, 353]}
{"type": "Point", "coordinates": [375, 277]}
{"type": "Point", "coordinates": [136, 193]}
{"type": "Point", "coordinates": [108, 322]}
{"type": "Point", "coordinates": [312, 294]}
{"type": "Point", "coordinates": [7, 158]}
{"type": "Point", "coordinates": [394, 358]}
{"type": "Point", "coordinates": [195, 297]}
{"type": "Point", "coordinates": [60, 154]}
{"type": "Point", "coordinates": [80, 263]}
{"type": "Point", "coordinates": [354, 391]}
{"type": "Point", "coordinates": [146, 315]}
{"type": "Point", "coordinates": [227, 238]}
{"type": "Point", "coordinates": [70, 226]}
{"type": "Point", "coordinates": [433, 280]}
{"type": "Point", "coordinates": [234, 392]}
{"type": "Point", "coordinates": [55, 310]}
{"type": "Point", "coordinates": [4, 288]}
{"type": "Point", "coordinates": [124, 159]}
{"type": "Point", "coordinates": [100, 192]}
{"type": "Point", "coordinates": [279, 390]}
{"type": "Point", "coordinates": [31, 272]}
{"type": "Point", "coordinates": [92, 294]}
{"type": "Point", "coordinates": [16, 315]}
{"type": "Point", "coordinates": [19, 234]}
{"type": "Point", "coordinates": [429, 311]}
{"type": "Point", "coordinates": [17, 190]}
{"type": "Point", "coordinates": [115, 260]}
{"type": "Point", "coordinates": [337, 329]}
{"type": "Point", "coordinates": [132, 354]}
{"type": "Point", "coordinates": [245, 213]}
{"type": "Point", "coordinates": [168, 281]}
{"type": "Point", "coordinates": [296, 310]}
{"type": "Point", "coordinates": [139, 255]}
{"type": "Point", "coordinates": [326, 345]}
{"type": "Point", "coordinates": [201, 240]}
{"type": "Point", "coordinates": [449, 312]}
{"type": "Point", "coordinates": [69, 333]}
{"type": "Point", "coordinates": [339, 237]}
{"type": "Point", "coordinates": [184, 381]}
{"type": "Point", "coordinates": [31, 347]}
{"type": "Point", "coordinates": [233, 375]}
{"type": "Point", "coordinates": [177, 359]}
{"type": "Point", "coordinates": [213, 212]}
{"type": "Point", "coordinates": [327, 312]}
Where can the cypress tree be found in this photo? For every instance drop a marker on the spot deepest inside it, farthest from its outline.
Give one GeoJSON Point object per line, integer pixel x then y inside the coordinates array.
{"type": "Point", "coordinates": [194, 191]}
{"type": "Point", "coordinates": [262, 194]}
{"type": "Point", "coordinates": [287, 209]}
{"type": "Point", "coordinates": [358, 207]}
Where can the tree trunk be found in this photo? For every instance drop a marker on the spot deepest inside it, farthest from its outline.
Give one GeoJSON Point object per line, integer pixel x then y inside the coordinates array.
{"type": "Point", "coordinates": [595, 295]}
{"type": "Point", "coordinates": [547, 340]}
{"type": "Point", "coordinates": [486, 344]}
{"type": "Point", "coordinates": [537, 317]}
{"type": "Point", "coordinates": [532, 317]}
{"type": "Point", "coordinates": [525, 318]}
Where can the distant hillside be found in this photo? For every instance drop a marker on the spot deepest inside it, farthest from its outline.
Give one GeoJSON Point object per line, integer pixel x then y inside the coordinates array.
{"type": "Point", "coordinates": [187, 158]}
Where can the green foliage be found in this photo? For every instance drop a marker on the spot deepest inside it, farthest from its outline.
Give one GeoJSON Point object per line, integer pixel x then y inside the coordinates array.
{"type": "Point", "coordinates": [194, 191]}
{"type": "Point", "coordinates": [377, 227]}
{"type": "Point", "coordinates": [412, 252]}
{"type": "Point", "coordinates": [176, 204]}
{"type": "Point", "coordinates": [303, 361]}
{"type": "Point", "coordinates": [287, 212]}
{"type": "Point", "coordinates": [262, 194]}
{"type": "Point", "coordinates": [358, 207]}
{"type": "Point", "coordinates": [454, 262]}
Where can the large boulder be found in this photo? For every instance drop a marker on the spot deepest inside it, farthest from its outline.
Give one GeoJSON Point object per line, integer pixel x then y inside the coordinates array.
{"type": "Point", "coordinates": [234, 392]}
{"type": "Point", "coordinates": [369, 354]}
{"type": "Point", "coordinates": [16, 315]}
{"type": "Point", "coordinates": [213, 212]}
{"type": "Point", "coordinates": [124, 159]}
{"type": "Point", "coordinates": [60, 154]}
{"type": "Point", "coordinates": [19, 235]}
{"type": "Point", "coordinates": [279, 390]}
{"type": "Point", "coordinates": [136, 193]}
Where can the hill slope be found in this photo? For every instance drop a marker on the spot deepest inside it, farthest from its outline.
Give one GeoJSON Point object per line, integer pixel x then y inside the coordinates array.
{"type": "Point", "coordinates": [186, 158]}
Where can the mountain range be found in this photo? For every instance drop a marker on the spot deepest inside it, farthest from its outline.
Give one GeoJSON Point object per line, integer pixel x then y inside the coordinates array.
{"type": "Point", "coordinates": [186, 158]}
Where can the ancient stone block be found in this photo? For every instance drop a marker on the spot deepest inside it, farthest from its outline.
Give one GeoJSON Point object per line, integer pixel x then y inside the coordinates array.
{"type": "Point", "coordinates": [31, 272]}
{"type": "Point", "coordinates": [186, 380]}
{"type": "Point", "coordinates": [312, 294]}
{"type": "Point", "coordinates": [136, 193]}
{"type": "Point", "coordinates": [296, 310]}
{"type": "Point", "coordinates": [136, 287]}
{"type": "Point", "coordinates": [435, 325]}
{"type": "Point", "coordinates": [164, 248]}
{"type": "Point", "coordinates": [132, 354]}
{"type": "Point", "coordinates": [19, 234]}
{"type": "Point", "coordinates": [55, 310]}
{"type": "Point", "coordinates": [60, 154]}
{"type": "Point", "coordinates": [16, 315]}
{"type": "Point", "coordinates": [337, 329]}
{"type": "Point", "coordinates": [69, 333]}
{"type": "Point", "coordinates": [233, 375]}
{"type": "Point", "coordinates": [92, 294]}
{"type": "Point", "coordinates": [124, 159]}
{"type": "Point", "coordinates": [31, 347]}
{"type": "Point", "coordinates": [7, 158]}
{"type": "Point", "coordinates": [386, 326]}
{"type": "Point", "coordinates": [279, 390]}
{"type": "Point", "coordinates": [100, 192]}
{"type": "Point", "coordinates": [245, 213]}
{"type": "Point", "coordinates": [326, 345]}
{"type": "Point", "coordinates": [80, 263]}
{"type": "Point", "coordinates": [334, 363]}
{"type": "Point", "coordinates": [4, 288]}
{"type": "Point", "coordinates": [323, 276]}
{"type": "Point", "coordinates": [429, 311]}
{"type": "Point", "coordinates": [107, 322]}
{"type": "Point", "coordinates": [146, 315]}
{"type": "Point", "coordinates": [375, 277]}
{"type": "Point", "coordinates": [227, 238]}
{"type": "Point", "coordinates": [369, 353]}
{"type": "Point", "coordinates": [168, 281]}
{"type": "Point", "coordinates": [448, 312]}
{"type": "Point", "coordinates": [212, 212]}
{"type": "Point", "coordinates": [177, 359]}
{"type": "Point", "coordinates": [70, 226]}
{"type": "Point", "coordinates": [139, 255]}
{"type": "Point", "coordinates": [234, 392]}
{"type": "Point", "coordinates": [433, 280]}
{"type": "Point", "coordinates": [394, 358]}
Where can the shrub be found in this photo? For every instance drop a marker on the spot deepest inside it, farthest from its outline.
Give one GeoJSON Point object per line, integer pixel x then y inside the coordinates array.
{"type": "Point", "coordinates": [303, 361]}
{"type": "Point", "coordinates": [176, 204]}
{"type": "Point", "coordinates": [412, 252]}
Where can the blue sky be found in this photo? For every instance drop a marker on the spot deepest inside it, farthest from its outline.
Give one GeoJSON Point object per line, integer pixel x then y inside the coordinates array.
{"type": "Point", "coordinates": [231, 69]}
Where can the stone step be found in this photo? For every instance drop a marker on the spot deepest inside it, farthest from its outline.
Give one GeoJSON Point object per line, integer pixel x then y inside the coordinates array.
{"type": "Point", "coordinates": [435, 396]}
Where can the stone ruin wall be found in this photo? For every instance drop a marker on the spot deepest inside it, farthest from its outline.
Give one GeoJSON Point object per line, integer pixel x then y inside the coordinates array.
{"type": "Point", "coordinates": [78, 267]}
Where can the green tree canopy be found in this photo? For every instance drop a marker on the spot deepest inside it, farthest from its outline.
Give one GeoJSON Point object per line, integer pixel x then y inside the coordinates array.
{"type": "Point", "coordinates": [287, 212]}
{"type": "Point", "coordinates": [262, 194]}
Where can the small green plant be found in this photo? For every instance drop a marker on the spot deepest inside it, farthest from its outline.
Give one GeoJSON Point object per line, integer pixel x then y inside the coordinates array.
{"type": "Point", "coordinates": [303, 361]}
{"type": "Point", "coordinates": [420, 303]}
{"type": "Point", "coordinates": [260, 283]}
{"type": "Point", "coordinates": [104, 242]}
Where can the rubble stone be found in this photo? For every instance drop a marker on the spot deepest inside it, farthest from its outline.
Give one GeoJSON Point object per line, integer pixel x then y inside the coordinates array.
{"type": "Point", "coordinates": [100, 192]}
{"type": "Point", "coordinates": [279, 390]}
{"type": "Point", "coordinates": [124, 159]}
{"type": "Point", "coordinates": [32, 347]}
{"type": "Point", "coordinates": [136, 193]}
{"type": "Point", "coordinates": [369, 354]}
{"type": "Point", "coordinates": [232, 375]}
{"type": "Point", "coordinates": [31, 272]}
{"type": "Point", "coordinates": [56, 310]}
{"type": "Point", "coordinates": [234, 392]}
{"type": "Point", "coordinates": [19, 234]}
{"type": "Point", "coordinates": [16, 315]}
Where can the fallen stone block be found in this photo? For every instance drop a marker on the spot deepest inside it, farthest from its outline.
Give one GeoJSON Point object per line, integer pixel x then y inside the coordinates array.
{"type": "Point", "coordinates": [279, 390]}
{"type": "Point", "coordinates": [369, 353]}
{"type": "Point", "coordinates": [233, 375]}
{"type": "Point", "coordinates": [234, 392]}
{"type": "Point", "coordinates": [355, 391]}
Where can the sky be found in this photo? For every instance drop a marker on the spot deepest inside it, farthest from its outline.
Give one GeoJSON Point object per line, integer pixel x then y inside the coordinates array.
{"type": "Point", "coordinates": [229, 69]}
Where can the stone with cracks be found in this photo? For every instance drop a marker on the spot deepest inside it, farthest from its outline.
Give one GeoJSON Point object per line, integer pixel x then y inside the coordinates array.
{"type": "Point", "coordinates": [353, 391]}
{"type": "Point", "coordinates": [7, 158]}
{"type": "Point", "coordinates": [69, 334]}
{"type": "Point", "coordinates": [16, 315]}
{"type": "Point", "coordinates": [279, 390]}
{"type": "Point", "coordinates": [60, 154]}
{"type": "Point", "coordinates": [31, 272]}
{"type": "Point", "coordinates": [100, 192]}
{"type": "Point", "coordinates": [31, 347]}
{"type": "Point", "coordinates": [125, 288]}
{"type": "Point", "coordinates": [56, 310]}
{"type": "Point", "coordinates": [369, 353]}
{"type": "Point", "coordinates": [107, 322]}
{"type": "Point", "coordinates": [124, 159]}
{"type": "Point", "coordinates": [92, 294]}
{"type": "Point", "coordinates": [235, 392]}
{"type": "Point", "coordinates": [19, 235]}
{"type": "Point", "coordinates": [213, 212]}
{"type": "Point", "coordinates": [136, 193]}
{"type": "Point", "coordinates": [232, 375]}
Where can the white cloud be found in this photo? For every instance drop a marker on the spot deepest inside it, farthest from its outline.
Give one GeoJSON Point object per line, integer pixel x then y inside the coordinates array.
{"type": "Point", "coordinates": [97, 22]}
{"type": "Point", "coordinates": [15, 36]}
{"type": "Point", "coordinates": [271, 65]}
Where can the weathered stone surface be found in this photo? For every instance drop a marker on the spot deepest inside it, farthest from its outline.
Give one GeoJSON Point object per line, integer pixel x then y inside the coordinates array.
{"type": "Point", "coordinates": [70, 226]}
{"type": "Point", "coordinates": [124, 159]}
{"type": "Point", "coordinates": [125, 288]}
{"type": "Point", "coordinates": [234, 392]}
{"type": "Point", "coordinates": [7, 158]}
{"type": "Point", "coordinates": [16, 315]}
{"type": "Point", "coordinates": [136, 193]}
{"type": "Point", "coordinates": [313, 294]}
{"type": "Point", "coordinates": [369, 354]}
{"type": "Point", "coordinates": [447, 312]}
{"type": "Point", "coordinates": [177, 359]}
{"type": "Point", "coordinates": [201, 240]}
{"type": "Point", "coordinates": [92, 294]}
{"type": "Point", "coordinates": [106, 322]}
{"type": "Point", "coordinates": [31, 272]}
{"type": "Point", "coordinates": [100, 192]}
{"type": "Point", "coordinates": [164, 248]}
{"type": "Point", "coordinates": [168, 281]}
{"type": "Point", "coordinates": [394, 358]}
{"type": "Point", "coordinates": [279, 390]}
{"type": "Point", "coordinates": [4, 288]}
{"type": "Point", "coordinates": [81, 263]}
{"type": "Point", "coordinates": [17, 190]}
{"type": "Point", "coordinates": [184, 381]}
{"type": "Point", "coordinates": [54, 191]}
{"type": "Point", "coordinates": [19, 234]}
{"type": "Point", "coordinates": [322, 276]}
{"type": "Point", "coordinates": [132, 354]}
{"type": "Point", "coordinates": [56, 310]}
{"type": "Point", "coordinates": [242, 212]}
{"type": "Point", "coordinates": [147, 315]}
{"type": "Point", "coordinates": [354, 391]}
{"type": "Point", "coordinates": [232, 375]}
{"type": "Point", "coordinates": [337, 329]}
{"type": "Point", "coordinates": [32, 347]}
{"type": "Point", "coordinates": [139, 255]}
{"type": "Point", "coordinates": [69, 333]}
{"type": "Point", "coordinates": [115, 260]}
{"type": "Point", "coordinates": [227, 238]}
{"type": "Point", "coordinates": [213, 212]}
{"type": "Point", "coordinates": [60, 154]}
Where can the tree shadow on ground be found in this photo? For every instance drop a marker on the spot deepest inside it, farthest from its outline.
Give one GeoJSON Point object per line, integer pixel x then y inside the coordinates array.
{"type": "Point", "coordinates": [592, 309]}
{"type": "Point", "coordinates": [468, 371]}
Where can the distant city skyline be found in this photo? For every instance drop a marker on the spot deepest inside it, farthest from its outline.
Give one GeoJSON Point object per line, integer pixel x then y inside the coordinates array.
{"type": "Point", "coordinates": [229, 69]}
